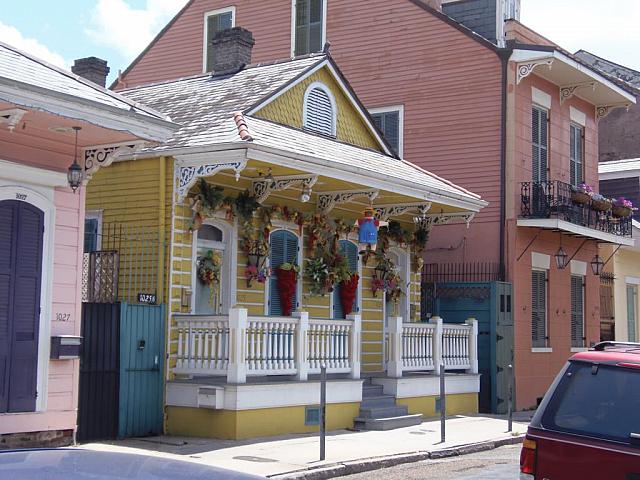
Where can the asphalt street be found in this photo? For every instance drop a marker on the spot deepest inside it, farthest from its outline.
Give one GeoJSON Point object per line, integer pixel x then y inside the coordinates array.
{"type": "Point", "coordinates": [499, 464]}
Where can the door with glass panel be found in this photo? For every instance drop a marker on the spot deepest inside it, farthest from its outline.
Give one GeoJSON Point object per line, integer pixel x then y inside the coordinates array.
{"type": "Point", "coordinates": [211, 269]}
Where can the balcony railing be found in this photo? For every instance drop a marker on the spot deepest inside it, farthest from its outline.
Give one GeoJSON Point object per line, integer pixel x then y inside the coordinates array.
{"type": "Point", "coordinates": [555, 200]}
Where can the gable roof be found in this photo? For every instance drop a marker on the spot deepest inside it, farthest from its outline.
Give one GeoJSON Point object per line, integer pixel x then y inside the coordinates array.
{"type": "Point", "coordinates": [28, 81]}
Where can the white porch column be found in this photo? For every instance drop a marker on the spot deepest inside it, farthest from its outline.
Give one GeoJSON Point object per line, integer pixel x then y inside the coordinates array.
{"type": "Point", "coordinates": [473, 345]}
{"type": "Point", "coordinates": [302, 346]}
{"type": "Point", "coordinates": [355, 344]}
{"type": "Point", "coordinates": [394, 366]}
{"type": "Point", "coordinates": [237, 371]}
{"type": "Point", "coordinates": [437, 344]}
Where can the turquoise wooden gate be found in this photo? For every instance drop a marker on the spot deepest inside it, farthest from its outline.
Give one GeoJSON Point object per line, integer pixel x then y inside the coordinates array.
{"type": "Point", "coordinates": [141, 366]}
{"type": "Point", "coordinates": [491, 304]}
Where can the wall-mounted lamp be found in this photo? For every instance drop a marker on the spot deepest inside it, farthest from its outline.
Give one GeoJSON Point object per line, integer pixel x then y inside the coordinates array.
{"type": "Point", "coordinates": [75, 173]}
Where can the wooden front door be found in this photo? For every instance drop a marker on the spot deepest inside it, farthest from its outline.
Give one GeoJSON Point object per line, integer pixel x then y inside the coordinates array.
{"type": "Point", "coordinates": [21, 238]}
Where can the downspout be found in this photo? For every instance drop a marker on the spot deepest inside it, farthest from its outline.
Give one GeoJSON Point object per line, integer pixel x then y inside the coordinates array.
{"type": "Point", "coordinates": [504, 54]}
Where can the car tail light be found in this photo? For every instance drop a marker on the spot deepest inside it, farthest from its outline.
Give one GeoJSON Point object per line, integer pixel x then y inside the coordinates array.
{"type": "Point", "coordinates": [528, 459]}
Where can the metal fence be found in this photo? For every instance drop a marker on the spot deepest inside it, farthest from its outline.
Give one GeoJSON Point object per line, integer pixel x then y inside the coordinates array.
{"type": "Point", "coordinates": [122, 264]}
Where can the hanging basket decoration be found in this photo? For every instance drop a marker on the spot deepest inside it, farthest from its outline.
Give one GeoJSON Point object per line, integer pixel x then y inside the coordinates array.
{"type": "Point", "coordinates": [600, 204]}
{"type": "Point", "coordinates": [287, 280]}
{"type": "Point", "coordinates": [348, 289]}
{"type": "Point", "coordinates": [256, 253]}
{"type": "Point", "coordinates": [622, 208]}
{"type": "Point", "coordinates": [581, 195]}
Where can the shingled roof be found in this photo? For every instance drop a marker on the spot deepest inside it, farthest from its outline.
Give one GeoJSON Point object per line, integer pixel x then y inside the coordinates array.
{"type": "Point", "coordinates": [215, 110]}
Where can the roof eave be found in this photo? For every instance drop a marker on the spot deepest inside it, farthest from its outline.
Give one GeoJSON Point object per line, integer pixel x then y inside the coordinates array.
{"type": "Point", "coordinates": [107, 116]}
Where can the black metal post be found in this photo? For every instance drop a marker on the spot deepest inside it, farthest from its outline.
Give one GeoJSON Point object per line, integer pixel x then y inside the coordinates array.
{"type": "Point", "coordinates": [443, 406]}
{"type": "Point", "coordinates": [323, 410]}
{"type": "Point", "coordinates": [510, 403]}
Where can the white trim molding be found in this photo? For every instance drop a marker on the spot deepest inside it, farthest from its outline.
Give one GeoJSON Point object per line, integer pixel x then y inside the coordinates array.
{"type": "Point", "coordinates": [578, 268]}
{"type": "Point", "coordinates": [540, 261]}
{"type": "Point", "coordinates": [41, 198]}
{"type": "Point", "coordinates": [542, 350]}
{"type": "Point", "coordinates": [578, 116]}
{"type": "Point", "coordinates": [293, 26]}
{"type": "Point", "coordinates": [211, 13]}
{"type": "Point", "coordinates": [328, 200]}
{"type": "Point", "coordinates": [526, 69]}
{"type": "Point", "coordinates": [541, 98]}
{"type": "Point", "coordinates": [400, 110]}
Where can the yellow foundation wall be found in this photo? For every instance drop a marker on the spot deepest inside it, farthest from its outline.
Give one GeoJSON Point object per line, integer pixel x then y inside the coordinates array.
{"type": "Point", "coordinates": [241, 424]}
{"type": "Point", "coordinates": [456, 404]}
{"type": "Point", "coordinates": [288, 110]}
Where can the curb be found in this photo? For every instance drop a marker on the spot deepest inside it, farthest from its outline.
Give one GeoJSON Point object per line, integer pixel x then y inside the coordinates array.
{"type": "Point", "coordinates": [368, 464]}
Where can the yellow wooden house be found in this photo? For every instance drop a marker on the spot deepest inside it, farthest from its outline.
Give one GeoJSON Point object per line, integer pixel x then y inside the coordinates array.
{"type": "Point", "coordinates": [260, 202]}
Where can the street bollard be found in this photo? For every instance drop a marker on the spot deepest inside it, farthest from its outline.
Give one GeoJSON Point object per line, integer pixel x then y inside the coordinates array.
{"type": "Point", "coordinates": [323, 410]}
{"type": "Point", "coordinates": [443, 406]}
{"type": "Point", "coordinates": [510, 402]}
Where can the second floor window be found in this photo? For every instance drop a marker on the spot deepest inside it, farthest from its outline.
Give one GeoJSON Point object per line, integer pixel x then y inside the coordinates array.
{"type": "Point", "coordinates": [308, 33]}
{"type": "Point", "coordinates": [539, 144]}
{"type": "Point", "coordinates": [215, 22]}
{"type": "Point", "coordinates": [389, 122]}
{"type": "Point", "coordinates": [576, 154]}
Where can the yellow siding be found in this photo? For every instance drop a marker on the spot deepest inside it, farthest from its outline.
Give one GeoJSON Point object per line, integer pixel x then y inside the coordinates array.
{"type": "Point", "coordinates": [456, 404]}
{"type": "Point", "coordinates": [287, 110]}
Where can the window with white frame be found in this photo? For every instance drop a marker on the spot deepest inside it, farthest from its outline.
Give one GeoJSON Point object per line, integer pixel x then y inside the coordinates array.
{"type": "Point", "coordinates": [576, 154]}
{"type": "Point", "coordinates": [390, 122]}
{"type": "Point", "coordinates": [211, 271]}
{"type": "Point", "coordinates": [539, 284]}
{"type": "Point", "coordinates": [577, 311]}
{"type": "Point", "coordinates": [214, 22]}
{"type": "Point", "coordinates": [309, 26]}
{"type": "Point", "coordinates": [319, 114]}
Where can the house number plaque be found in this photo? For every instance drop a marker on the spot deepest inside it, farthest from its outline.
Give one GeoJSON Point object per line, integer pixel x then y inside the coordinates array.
{"type": "Point", "coordinates": [63, 317]}
{"type": "Point", "coordinates": [149, 298]}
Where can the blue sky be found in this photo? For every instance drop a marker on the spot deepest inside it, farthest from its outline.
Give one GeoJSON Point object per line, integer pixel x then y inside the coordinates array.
{"type": "Point", "coordinates": [117, 30]}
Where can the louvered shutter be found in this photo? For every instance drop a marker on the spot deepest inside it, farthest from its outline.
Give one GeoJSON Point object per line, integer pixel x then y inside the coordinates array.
{"type": "Point", "coordinates": [20, 279]}
{"type": "Point", "coordinates": [215, 24]}
{"type": "Point", "coordinates": [632, 302]}
{"type": "Point", "coordinates": [576, 154]}
{"type": "Point", "coordinates": [284, 249]}
{"type": "Point", "coordinates": [538, 308]}
{"type": "Point", "coordinates": [539, 144]}
{"type": "Point", "coordinates": [90, 235]}
{"type": "Point", "coordinates": [349, 250]}
{"type": "Point", "coordinates": [577, 311]}
{"type": "Point", "coordinates": [7, 258]}
{"type": "Point", "coordinates": [319, 112]}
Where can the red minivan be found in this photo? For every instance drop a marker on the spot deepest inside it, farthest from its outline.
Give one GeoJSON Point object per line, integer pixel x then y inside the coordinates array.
{"type": "Point", "coordinates": [588, 424]}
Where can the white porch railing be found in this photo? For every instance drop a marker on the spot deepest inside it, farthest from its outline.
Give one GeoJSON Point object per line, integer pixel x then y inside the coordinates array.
{"type": "Point", "coordinates": [425, 346]}
{"type": "Point", "coordinates": [238, 346]}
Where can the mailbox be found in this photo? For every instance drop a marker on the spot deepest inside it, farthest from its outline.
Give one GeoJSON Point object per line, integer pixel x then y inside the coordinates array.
{"type": "Point", "coordinates": [65, 347]}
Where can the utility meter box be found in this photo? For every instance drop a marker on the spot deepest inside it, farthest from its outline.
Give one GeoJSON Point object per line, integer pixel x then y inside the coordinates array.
{"type": "Point", "coordinates": [65, 347]}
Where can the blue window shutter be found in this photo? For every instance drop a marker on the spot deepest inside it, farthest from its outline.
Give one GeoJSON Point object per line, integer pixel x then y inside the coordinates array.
{"type": "Point", "coordinates": [20, 303]}
{"type": "Point", "coordinates": [90, 235]}
{"type": "Point", "coordinates": [349, 250]}
{"type": "Point", "coordinates": [284, 249]}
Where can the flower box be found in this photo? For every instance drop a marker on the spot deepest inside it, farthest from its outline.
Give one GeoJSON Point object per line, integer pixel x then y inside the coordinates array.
{"type": "Point", "coordinates": [581, 198]}
{"type": "Point", "coordinates": [621, 211]}
{"type": "Point", "coordinates": [601, 205]}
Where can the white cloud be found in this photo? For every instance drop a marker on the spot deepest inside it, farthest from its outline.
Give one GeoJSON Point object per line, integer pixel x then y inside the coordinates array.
{"type": "Point", "coordinates": [13, 37]}
{"type": "Point", "coordinates": [609, 30]}
{"type": "Point", "coordinates": [115, 24]}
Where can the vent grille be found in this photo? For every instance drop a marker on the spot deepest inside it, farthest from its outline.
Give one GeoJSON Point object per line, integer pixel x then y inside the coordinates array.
{"type": "Point", "coordinates": [319, 112]}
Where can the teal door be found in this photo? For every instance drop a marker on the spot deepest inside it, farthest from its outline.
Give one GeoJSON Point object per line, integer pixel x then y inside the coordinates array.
{"type": "Point", "coordinates": [141, 367]}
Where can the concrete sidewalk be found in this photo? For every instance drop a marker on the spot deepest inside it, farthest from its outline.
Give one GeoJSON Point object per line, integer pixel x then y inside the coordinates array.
{"type": "Point", "coordinates": [296, 456]}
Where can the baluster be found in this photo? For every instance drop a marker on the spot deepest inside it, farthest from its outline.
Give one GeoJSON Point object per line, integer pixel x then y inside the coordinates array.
{"type": "Point", "coordinates": [286, 330]}
{"type": "Point", "coordinates": [179, 357]}
{"type": "Point", "coordinates": [327, 345]}
{"type": "Point", "coordinates": [342, 335]}
{"type": "Point", "coordinates": [348, 331]}
{"type": "Point", "coordinates": [257, 338]}
{"type": "Point", "coordinates": [280, 336]}
{"type": "Point", "coordinates": [313, 354]}
{"type": "Point", "coordinates": [192, 341]}
{"type": "Point", "coordinates": [269, 339]}
{"type": "Point", "coordinates": [205, 353]}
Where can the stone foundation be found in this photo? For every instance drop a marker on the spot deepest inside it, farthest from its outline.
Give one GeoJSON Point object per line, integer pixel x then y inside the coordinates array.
{"type": "Point", "coordinates": [50, 438]}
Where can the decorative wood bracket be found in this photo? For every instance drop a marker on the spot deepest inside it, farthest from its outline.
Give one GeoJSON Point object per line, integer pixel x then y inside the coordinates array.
{"type": "Point", "coordinates": [431, 220]}
{"type": "Point", "coordinates": [525, 69]}
{"type": "Point", "coordinates": [328, 200]}
{"type": "Point", "coordinates": [187, 175]}
{"type": "Point", "coordinates": [262, 187]}
{"type": "Point", "coordinates": [104, 155]}
{"type": "Point", "coordinates": [569, 91]}
{"type": "Point", "coordinates": [12, 117]}
{"type": "Point", "coordinates": [384, 212]}
{"type": "Point", "coordinates": [604, 110]}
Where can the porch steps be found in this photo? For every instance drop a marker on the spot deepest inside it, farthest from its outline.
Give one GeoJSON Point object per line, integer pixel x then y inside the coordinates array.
{"type": "Point", "coordinates": [380, 412]}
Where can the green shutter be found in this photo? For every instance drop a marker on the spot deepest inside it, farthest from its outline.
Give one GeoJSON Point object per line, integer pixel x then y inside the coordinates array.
{"type": "Point", "coordinates": [283, 249]}
{"type": "Point", "coordinates": [539, 144]}
{"type": "Point", "coordinates": [577, 311]}
{"type": "Point", "coordinates": [632, 302]}
{"type": "Point", "coordinates": [538, 308]}
{"type": "Point", "coordinates": [350, 250]}
{"type": "Point", "coordinates": [576, 154]}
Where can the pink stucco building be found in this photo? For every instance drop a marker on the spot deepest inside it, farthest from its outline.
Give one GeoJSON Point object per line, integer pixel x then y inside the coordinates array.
{"type": "Point", "coordinates": [41, 235]}
{"type": "Point", "coordinates": [465, 90]}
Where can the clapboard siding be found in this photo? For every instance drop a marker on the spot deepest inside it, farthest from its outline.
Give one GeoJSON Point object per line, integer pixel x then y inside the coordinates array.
{"type": "Point", "coordinates": [449, 83]}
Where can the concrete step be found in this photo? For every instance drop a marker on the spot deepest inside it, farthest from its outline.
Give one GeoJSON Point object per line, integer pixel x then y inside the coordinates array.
{"type": "Point", "coordinates": [384, 412]}
{"type": "Point", "coordinates": [378, 401]}
{"type": "Point", "coordinates": [372, 391]}
{"type": "Point", "coordinates": [389, 423]}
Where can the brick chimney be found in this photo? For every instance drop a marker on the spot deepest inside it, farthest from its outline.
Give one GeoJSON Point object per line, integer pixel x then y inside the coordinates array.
{"type": "Point", "coordinates": [231, 50]}
{"type": "Point", "coordinates": [93, 69]}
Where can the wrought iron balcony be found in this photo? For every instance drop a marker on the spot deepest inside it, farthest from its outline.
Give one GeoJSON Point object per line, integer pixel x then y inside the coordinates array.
{"type": "Point", "coordinates": [555, 200]}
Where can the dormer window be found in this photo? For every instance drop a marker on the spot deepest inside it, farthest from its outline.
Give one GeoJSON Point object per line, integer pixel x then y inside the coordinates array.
{"type": "Point", "coordinates": [215, 22]}
{"type": "Point", "coordinates": [319, 110]}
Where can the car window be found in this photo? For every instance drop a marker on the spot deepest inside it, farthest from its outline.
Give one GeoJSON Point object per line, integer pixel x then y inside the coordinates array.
{"type": "Point", "coordinates": [600, 401]}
